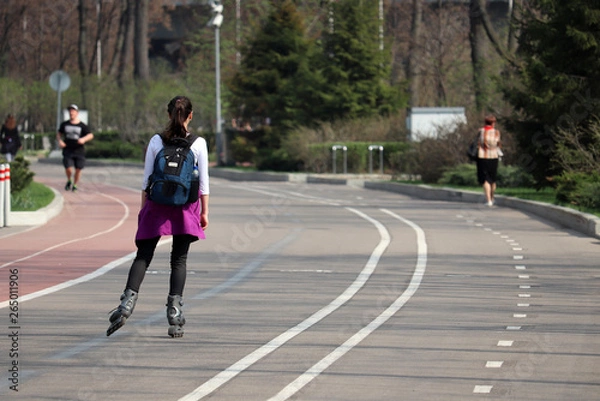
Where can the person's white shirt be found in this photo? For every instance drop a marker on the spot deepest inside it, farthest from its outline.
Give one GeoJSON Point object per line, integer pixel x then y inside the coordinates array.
{"type": "Point", "coordinates": [200, 151]}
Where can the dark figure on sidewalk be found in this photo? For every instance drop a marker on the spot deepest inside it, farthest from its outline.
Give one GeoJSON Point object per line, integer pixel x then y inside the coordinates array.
{"type": "Point", "coordinates": [488, 156]}
{"type": "Point", "coordinates": [9, 136]}
{"type": "Point", "coordinates": [71, 137]}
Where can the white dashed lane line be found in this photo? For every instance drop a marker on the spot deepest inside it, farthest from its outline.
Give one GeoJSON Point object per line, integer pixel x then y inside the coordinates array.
{"type": "Point", "coordinates": [521, 294]}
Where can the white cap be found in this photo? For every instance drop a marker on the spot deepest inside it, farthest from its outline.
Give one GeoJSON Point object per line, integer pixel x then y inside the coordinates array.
{"type": "Point", "coordinates": [73, 106]}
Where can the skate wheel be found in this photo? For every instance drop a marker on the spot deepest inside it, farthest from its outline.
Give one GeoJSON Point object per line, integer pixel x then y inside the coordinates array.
{"type": "Point", "coordinates": [175, 331]}
{"type": "Point", "coordinates": [116, 325]}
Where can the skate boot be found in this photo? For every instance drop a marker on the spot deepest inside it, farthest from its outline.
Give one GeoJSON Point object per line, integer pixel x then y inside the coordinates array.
{"type": "Point", "coordinates": [119, 315]}
{"type": "Point", "coordinates": [175, 315]}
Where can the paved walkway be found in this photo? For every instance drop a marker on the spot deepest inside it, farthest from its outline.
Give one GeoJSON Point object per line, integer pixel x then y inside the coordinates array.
{"type": "Point", "coordinates": [96, 226]}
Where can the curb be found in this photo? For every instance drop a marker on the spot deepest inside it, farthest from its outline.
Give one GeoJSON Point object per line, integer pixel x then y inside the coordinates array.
{"type": "Point", "coordinates": [38, 217]}
{"type": "Point", "coordinates": [584, 223]}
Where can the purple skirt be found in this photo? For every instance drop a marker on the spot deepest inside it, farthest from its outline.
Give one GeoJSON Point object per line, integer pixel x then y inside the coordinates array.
{"type": "Point", "coordinates": [156, 220]}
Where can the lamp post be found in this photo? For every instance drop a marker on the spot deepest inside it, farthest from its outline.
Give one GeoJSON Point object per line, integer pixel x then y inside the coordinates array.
{"type": "Point", "coordinates": [216, 21]}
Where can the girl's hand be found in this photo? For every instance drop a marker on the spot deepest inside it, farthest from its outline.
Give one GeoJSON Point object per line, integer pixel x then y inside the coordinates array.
{"type": "Point", "coordinates": [204, 221]}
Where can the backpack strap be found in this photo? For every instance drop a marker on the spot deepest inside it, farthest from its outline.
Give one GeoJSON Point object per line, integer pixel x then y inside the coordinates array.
{"type": "Point", "coordinates": [190, 139]}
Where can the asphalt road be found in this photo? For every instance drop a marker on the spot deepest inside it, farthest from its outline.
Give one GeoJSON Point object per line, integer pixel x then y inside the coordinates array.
{"type": "Point", "coordinates": [306, 292]}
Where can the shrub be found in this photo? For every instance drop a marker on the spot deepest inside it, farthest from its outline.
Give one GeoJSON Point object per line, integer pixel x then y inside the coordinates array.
{"type": "Point", "coordinates": [432, 160]}
{"type": "Point", "coordinates": [276, 160]}
{"type": "Point", "coordinates": [466, 175]}
{"type": "Point", "coordinates": [461, 175]}
{"type": "Point", "coordinates": [581, 189]}
{"type": "Point", "coordinates": [20, 175]}
{"type": "Point", "coordinates": [320, 156]}
{"type": "Point", "coordinates": [310, 147]}
{"type": "Point", "coordinates": [514, 177]}
{"type": "Point", "coordinates": [242, 150]}
{"type": "Point", "coordinates": [114, 149]}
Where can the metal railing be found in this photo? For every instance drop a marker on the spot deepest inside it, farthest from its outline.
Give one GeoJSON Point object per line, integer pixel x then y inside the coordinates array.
{"type": "Point", "coordinates": [371, 148]}
{"type": "Point", "coordinates": [334, 148]}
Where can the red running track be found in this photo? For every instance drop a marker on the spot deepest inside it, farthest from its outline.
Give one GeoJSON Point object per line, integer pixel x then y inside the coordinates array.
{"type": "Point", "coordinates": [95, 227]}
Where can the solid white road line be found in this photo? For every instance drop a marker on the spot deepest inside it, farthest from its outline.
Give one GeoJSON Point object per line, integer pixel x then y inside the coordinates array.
{"type": "Point", "coordinates": [250, 359]}
{"type": "Point", "coordinates": [353, 341]}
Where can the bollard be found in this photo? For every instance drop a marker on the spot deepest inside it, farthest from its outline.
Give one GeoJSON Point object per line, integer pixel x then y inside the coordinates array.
{"type": "Point", "coordinates": [345, 150]}
{"type": "Point", "coordinates": [2, 197]}
{"type": "Point", "coordinates": [7, 205]}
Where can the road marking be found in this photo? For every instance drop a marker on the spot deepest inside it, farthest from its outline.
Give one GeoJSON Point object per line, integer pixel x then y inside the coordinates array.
{"type": "Point", "coordinates": [494, 364]}
{"type": "Point", "coordinates": [520, 315]}
{"type": "Point", "coordinates": [520, 267]}
{"type": "Point", "coordinates": [505, 343]}
{"type": "Point", "coordinates": [523, 305]}
{"type": "Point", "coordinates": [523, 276]}
{"type": "Point", "coordinates": [483, 389]}
{"type": "Point", "coordinates": [226, 375]}
{"type": "Point", "coordinates": [524, 287]}
{"type": "Point", "coordinates": [524, 295]}
{"type": "Point", "coordinates": [513, 327]}
{"type": "Point", "coordinates": [305, 271]}
{"type": "Point", "coordinates": [518, 257]}
{"type": "Point", "coordinates": [340, 351]}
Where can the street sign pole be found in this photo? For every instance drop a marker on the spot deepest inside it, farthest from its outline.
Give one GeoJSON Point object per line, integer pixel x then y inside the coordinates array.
{"type": "Point", "coordinates": [60, 82]}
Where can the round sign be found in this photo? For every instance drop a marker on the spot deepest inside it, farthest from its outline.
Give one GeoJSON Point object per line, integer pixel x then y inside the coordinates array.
{"type": "Point", "coordinates": [60, 81]}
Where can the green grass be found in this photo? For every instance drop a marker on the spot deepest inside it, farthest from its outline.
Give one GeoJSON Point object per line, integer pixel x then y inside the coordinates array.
{"type": "Point", "coordinates": [32, 198]}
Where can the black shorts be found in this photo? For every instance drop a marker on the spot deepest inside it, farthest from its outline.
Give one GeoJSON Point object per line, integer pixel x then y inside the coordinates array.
{"type": "Point", "coordinates": [73, 159]}
{"type": "Point", "coordinates": [487, 170]}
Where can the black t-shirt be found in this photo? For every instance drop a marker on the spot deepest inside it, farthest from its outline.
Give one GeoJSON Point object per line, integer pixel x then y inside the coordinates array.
{"type": "Point", "coordinates": [71, 133]}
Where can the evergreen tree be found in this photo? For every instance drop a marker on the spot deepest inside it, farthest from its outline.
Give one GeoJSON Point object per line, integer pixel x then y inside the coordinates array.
{"type": "Point", "coordinates": [275, 78]}
{"type": "Point", "coordinates": [558, 84]}
{"type": "Point", "coordinates": [355, 69]}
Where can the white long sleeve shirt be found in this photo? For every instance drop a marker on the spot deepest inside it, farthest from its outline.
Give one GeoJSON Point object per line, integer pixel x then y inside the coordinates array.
{"type": "Point", "coordinates": [200, 150]}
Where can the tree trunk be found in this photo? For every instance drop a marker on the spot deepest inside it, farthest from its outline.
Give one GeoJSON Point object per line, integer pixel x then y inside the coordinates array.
{"type": "Point", "coordinates": [477, 37]}
{"type": "Point", "coordinates": [141, 63]}
{"type": "Point", "coordinates": [414, 52]}
{"type": "Point", "coordinates": [513, 30]}
{"type": "Point", "coordinates": [82, 52]}
{"type": "Point", "coordinates": [440, 89]}
{"type": "Point", "coordinates": [10, 24]}
{"type": "Point", "coordinates": [124, 41]}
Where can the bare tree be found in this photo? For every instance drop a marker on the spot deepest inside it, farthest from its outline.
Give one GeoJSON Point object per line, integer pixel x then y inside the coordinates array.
{"type": "Point", "coordinates": [9, 21]}
{"type": "Point", "coordinates": [124, 40]}
{"type": "Point", "coordinates": [414, 49]}
{"type": "Point", "coordinates": [478, 40]}
{"type": "Point", "coordinates": [82, 51]}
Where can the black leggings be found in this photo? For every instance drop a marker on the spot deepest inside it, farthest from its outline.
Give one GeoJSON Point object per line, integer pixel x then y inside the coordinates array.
{"type": "Point", "coordinates": [145, 253]}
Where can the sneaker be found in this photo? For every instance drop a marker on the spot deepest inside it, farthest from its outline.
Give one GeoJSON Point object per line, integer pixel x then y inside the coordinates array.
{"type": "Point", "coordinates": [490, 204]}
{"type": "Point", "coordinates": [74, 187]}
{"type": "Point", "coordinates": [68, 185]}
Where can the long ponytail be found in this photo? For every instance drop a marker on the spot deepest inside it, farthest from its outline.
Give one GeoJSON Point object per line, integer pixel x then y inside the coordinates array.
{"type": "Point", "coordinates": [179, 109]}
